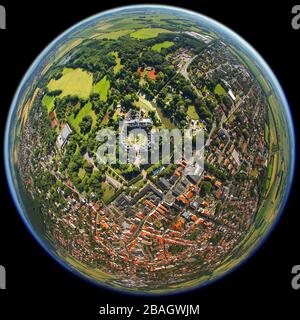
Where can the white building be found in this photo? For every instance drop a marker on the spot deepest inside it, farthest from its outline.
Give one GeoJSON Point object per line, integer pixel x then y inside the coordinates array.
{"type": "Point", "coordinates": [63, 136]}
{"type": "Point", "coordinates": [232, 96]}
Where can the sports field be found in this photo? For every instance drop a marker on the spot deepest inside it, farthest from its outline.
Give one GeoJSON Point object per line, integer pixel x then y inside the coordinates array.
{"type": "Point", "coordinates": [147, 33]}
{"type": "Point", "coordinates": [73, 82]}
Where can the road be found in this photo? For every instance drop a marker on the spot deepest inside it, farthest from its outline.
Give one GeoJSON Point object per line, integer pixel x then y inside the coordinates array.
{"type": "Point", "coordinates": [183, 69]}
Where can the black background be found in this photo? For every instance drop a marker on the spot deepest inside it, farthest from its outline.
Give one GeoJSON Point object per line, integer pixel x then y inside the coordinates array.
{"type": "Point", "coordinates": [37, 285]}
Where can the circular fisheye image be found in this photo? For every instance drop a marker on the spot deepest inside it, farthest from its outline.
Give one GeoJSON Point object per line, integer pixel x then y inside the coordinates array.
{"type": "Point", "coordinates": [96, 140]}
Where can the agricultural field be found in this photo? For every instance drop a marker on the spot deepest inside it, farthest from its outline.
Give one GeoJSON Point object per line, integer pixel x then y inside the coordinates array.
{"type": "Point", "coordinates": [148, 33]}
{"type": "Point", "coordinates": [104, 26]}
{"type": "Point", "coordinates": [94, 273]}
{"type": "Point", "coordinates": [73, 82]}
{"type": "Point", "coordinates": [102, 88]}
{"type": "Point", "coordinates": [114, 35]}
{"type": "Point", "coordinates": [266, 133]}
{"type": "Point", "coordinates": [28, 106]}
{"type": "Point", "coordinates": [116, 28]}
{"type": "Point", "coordinates": [166, 44]}
{"type": "Point", "coordinates": [125, 24]}
{"type": "Point", "coordinates": [159, 20]}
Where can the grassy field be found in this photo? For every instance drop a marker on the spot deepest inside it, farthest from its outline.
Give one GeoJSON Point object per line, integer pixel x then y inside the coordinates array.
{"type": "Point", "coordinates": [73, 82]}
{"type": "Point", "coordinates": [118, 65]}
{"type": "Point", "coordinates": [67, 70]}
{"type": "Point", "coordinates": [158, 20]}
{"type": "Point", "coordinates": [147, 106]}
{"type": "Point", "coordinates": [81, 173]}
{"type": "Point", "coordinates": [68, 46]}
{"type": "Point", "coordinates": [85, 111]}
{"type": "Point", "coordinates": [102, 88]}
{"type": "Point", "coordinates": [193, 113]}
{"type": "Point", "coordinates": [108, 192]}
{"type": "Point", "coordinates": [273, 172]}
{"type": "Point", "coordinates": [219, 90]}
{"type": "Point", "coordinates": [159, 46]}
{"type": "Point", "coordinates": [116, 114]}
{"type": "Point", "coordinates": [48, 102]}
{"type": "Point", "coordinates": [94, 273]}
{"type": "Point", "coordinates": [61, 52]}
{"type": "Point", "coordinates": [114, 35]}
{"type": "Point", "coordinates": [104, 26]}
{"type": "Point", "coordinates": [125, 24]}
{"type": "Point", "coordinates": [266, 133]}
{"type": "Point", "coordinates": [167, 123]}
{"type": "Point", "coordinates": [138, 185]}
{"type": "Point", "coordinates": [147, 33]}
{"type": "Point", "coordinates": [144, 104]}
{"type": "Point", "coordinates": [27, 107]}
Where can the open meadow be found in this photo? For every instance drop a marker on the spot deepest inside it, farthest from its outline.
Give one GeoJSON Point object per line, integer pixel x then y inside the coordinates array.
{"type": "Point", "coordinates": [73, 82]}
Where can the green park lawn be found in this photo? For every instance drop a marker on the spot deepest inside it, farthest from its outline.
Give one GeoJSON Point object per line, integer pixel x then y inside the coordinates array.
{"type": "Point", "coordinates": [81, 173]}
{"type": "Point", "coordinates": [108, 191]}
{"type": "Point", "coordinates": [118, 65]}
{"type": "Point", "coordinates": [144, 104]}
{"type": "Point", "coordinates": [102, 88]}
{"type": "Point", "coordinates": [158, 46]}
{"type": "Point", "coordinates": [219, 90]}
{"type": "Point", "coordinates": [116, 114]}
{"type": "Point", "coordinates": [85, 111]}
{"type": "Point", "coordinates": [48, 102]}
{"type": "Point", "coordinates": [73, 82]}
{"type": "Point", "coordinates": [147, 33]}
{"type": "Point", "coordinates": [193, 113]}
